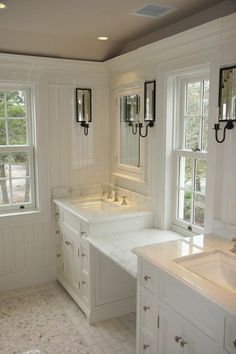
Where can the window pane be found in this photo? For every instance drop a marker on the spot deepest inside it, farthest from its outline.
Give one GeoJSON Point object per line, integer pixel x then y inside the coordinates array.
{"type": "Point", "coordinates": [199, 210]}
{"type": "Point", "coordinates": [2, 104]}
{"type": "Point", "coordinates": [185, 172]}
{"type": "Point", "coordinates": [193, 96]}
{"type": "Point", "coordinates": [192, 133]}
{"type": "Point", "coordinates": [21, 191]}
{"type": "Point", "coordinates": [204, 133]}
{"type": "Point", "coordinates": [19, 164]}
{"type": "Point", "coordinates": [4, 192]}
{"type": "Point", "coordinates": [4, 165]}
{"type": "Point", "coordinates": [16, 106]}
{"type": "Point", "coordinates": [3, 138]}
{"type": "Point", "coordinates": [205, 97]}
{"type": "Point", "coordinates": [17, 133]}
{"type": "Point", "coordinates": [200, 176]}
{"type": "Point", "coordinates": [184, 205]}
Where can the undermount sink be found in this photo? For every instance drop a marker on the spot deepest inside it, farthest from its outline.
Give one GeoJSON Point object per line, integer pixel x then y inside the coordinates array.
{"type": "Point", "coordinates": [95, 204]}
{"type": "Point", "coordinates": [216, 266]}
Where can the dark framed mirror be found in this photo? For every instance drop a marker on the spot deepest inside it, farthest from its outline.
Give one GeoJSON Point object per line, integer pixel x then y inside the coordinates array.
{"type": "Point", "coordinates": [227, 94]}
{"type": "Point", "coordinates": [150, 101]}
{"type": "Point", "coordinates": [83, 105]}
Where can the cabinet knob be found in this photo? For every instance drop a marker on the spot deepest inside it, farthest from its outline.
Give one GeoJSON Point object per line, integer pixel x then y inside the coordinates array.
{"type": "Point", "coordinates": [146, 346]}
{"type": "Point", "coordinates": [146, 277]}
{"type": "Point", "coordinates": [57, 214]}
{"type": "Point", "coordinates": [83, 254]}
{"type": "Point", "coordinates": [67, 243]}
{"type": "Point", "coordinates": [57, 232]}
{"type": "Point", "coordinates": [177, 339]}
{"type": "Point", "coordinates": [58, 255]}
{"type": "Point", "coordinates": [234, 342]}
{"type": "Point", "coordinates": [182, 343]}
{"type": "Point", "coordinates": [82, 233]}
{"type": "Point", "coordinates": [83, 282]}
{"type": "Point", "coordinates": [146, 308]}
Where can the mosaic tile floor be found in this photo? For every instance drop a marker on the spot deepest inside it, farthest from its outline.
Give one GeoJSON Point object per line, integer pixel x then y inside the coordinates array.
{"type": "Point", "coordinates": [44, 320]}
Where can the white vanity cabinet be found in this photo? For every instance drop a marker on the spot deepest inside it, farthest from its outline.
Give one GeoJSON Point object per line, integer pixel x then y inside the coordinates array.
{"type": "Point", "coordinates": [73, 257]}
{"type": "Point", "coordinates": [101, 288]}
{"type": "Point", "coordinates": [173, 318]}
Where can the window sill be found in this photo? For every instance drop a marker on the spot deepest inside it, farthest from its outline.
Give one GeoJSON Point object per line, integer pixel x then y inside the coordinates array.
{"type": "Point", "coordinates": [184, 232]}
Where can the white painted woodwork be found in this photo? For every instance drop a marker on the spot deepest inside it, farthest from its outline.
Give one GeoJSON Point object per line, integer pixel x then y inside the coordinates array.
{"type": "Point", "coordinates": [101, 288]}
{"type": "Point", "coordinates": [181, 320]}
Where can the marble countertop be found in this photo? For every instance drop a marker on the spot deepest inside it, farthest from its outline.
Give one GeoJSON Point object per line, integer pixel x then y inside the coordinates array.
{"type": "Point", "coordinates": [118, 246]}
{"type": "Point", "coordinates": [164, 257]}
{"type": "Point", "coordinates": [113, 211]}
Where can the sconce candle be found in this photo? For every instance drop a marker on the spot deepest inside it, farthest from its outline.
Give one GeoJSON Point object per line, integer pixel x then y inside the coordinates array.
{"type": "Point", "coordinates": [83, 107]}
{"type": "Point", "coordinates": [227, 100]}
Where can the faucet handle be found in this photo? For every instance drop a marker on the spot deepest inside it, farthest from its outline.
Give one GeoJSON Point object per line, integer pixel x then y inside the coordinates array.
{"type": "Point", "coordinates": [124, 202]}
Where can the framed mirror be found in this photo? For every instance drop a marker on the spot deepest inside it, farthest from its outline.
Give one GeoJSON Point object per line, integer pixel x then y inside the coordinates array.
{"type": "Point", "coordinates": [227, 94]}
{"type": "Point", "coordinates": [83, 105]}
{"type": "Point", "coordinates": [129, 153]}
{"type": "Point", "coordinates": [150, 101]}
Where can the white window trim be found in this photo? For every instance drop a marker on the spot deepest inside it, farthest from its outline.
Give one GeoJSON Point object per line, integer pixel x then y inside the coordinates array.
{"type": "Point", "coordinates": [29, 148]}
{"type": "Point", "coordinates": [177, 224]}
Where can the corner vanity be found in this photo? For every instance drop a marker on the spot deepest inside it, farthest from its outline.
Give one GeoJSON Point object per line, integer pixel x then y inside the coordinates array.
{"type": "Point", "coordinates": [187, 297]}
{"type": "Point", "coordinates": [108, 253]}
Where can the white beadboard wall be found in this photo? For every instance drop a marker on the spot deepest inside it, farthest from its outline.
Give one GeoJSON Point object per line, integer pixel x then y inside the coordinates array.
{"type": "Point", "coordinates": [65, 157]}
{"type": "Point", "coordinates": [209, 46]}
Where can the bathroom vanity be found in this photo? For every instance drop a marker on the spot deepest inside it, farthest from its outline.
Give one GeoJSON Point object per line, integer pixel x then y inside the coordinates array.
{"type": "Point", "coordinates": [98, 286]}
{"type": "Point", "coordinates": [187, 297]}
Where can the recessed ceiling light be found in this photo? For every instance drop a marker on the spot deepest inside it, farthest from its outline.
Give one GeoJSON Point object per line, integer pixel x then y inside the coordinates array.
{"type": "Point", "coordinates": [2, 5]}
{"type": "Point", "coordinates": [102, 38]}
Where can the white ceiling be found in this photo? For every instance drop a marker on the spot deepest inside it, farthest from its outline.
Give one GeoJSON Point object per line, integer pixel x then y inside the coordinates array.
{"type": "Point", "coordinates": [69, 28]}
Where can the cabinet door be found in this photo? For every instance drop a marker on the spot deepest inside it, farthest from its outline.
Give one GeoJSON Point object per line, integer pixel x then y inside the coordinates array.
{"type": "Point", "coordinates": [71, 258]}
{"type": "Point", "coordinates": [171, 331]}
{"type": "Point", "coordinates": [230, 334]}
{"type": "Point", "coordinates": [177, 335]}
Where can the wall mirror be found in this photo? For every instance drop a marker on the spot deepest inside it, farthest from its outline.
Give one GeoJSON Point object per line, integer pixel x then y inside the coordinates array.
{"type": "Point", "coordinates": [149, 101]}
{"type": "Point", "coordinates": [129, 143]}
{"type": "Point", "coordinates": [84, 107]}
{"type": "Point", "coordinates": [227, 94]}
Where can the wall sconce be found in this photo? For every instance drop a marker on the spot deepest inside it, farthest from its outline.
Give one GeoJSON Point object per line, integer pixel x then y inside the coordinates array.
{"type": "Point", "coordinates": [149, 109]}
{"type": "Point", "coordinates": [84, 107]}
{"type": "Point", "coordinates": [227, 101]}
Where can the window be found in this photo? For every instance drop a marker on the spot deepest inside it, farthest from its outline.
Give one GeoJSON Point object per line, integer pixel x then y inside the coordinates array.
{"type": "Point", "coordinates": [16, 150]}
{"type": "Point", "coordinates": [191, 154]}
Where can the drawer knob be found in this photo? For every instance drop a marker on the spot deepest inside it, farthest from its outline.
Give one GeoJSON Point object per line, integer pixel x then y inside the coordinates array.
{"type": "Point", "coordinates": [146, 277]}
{"type": "Point", "coordinates": [182, 343]}
{"type": "Point", "coordinates": [83, 282]}
{"type": "Point", "coordinates": [58, 255]}
{"type": "Point", "coordinates": [146, 308]}
{"type": "Point", "coordinates": [57, 232]}
{"type": "Point", "coordinates": [82, 233]}
{"type": "Point", "coordinates": [146, 346]}
{"type": "Point", "coordinates": [177, 339]}
{"type": "Point", "coordinates": [234, 343]}
{"type": "Point", "coordinates": [57, 214]}
{"type": "Point", "coordinates": [83, 254]}
{"type": "Point", "coordinates": [67, 243]}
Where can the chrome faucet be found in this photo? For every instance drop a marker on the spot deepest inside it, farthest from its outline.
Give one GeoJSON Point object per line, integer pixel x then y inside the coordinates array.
{"type": "Point", "coordinates": [116, 195]}
{"type": "Point", "coordinates": [233, 249]}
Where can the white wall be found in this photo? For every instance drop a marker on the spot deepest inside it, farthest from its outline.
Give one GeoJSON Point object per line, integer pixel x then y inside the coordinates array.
{"type": "Point", "coordinates": [65, 157]}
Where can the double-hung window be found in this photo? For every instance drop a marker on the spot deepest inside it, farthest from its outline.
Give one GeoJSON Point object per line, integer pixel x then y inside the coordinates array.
{"type": "Point", "coordinates": [17, 185]}
{"type": "Point", "coordinates": [191, 153]}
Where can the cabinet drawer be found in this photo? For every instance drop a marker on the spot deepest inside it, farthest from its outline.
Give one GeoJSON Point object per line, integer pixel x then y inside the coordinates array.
{"type": "Point", "coordinates": [194, 307]}
{"type": "Point", "coordinates": [148, 276]}
{"type": "Point", "coordinates": [148, 310]}
{"type": "Point", "coordinates": [72, 221]}
{"type": "Point", "coordinates": [230, 334]}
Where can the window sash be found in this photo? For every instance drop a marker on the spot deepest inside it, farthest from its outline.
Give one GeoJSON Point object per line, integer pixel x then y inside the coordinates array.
{"type": "Point", "coordinates": [24, 148]}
